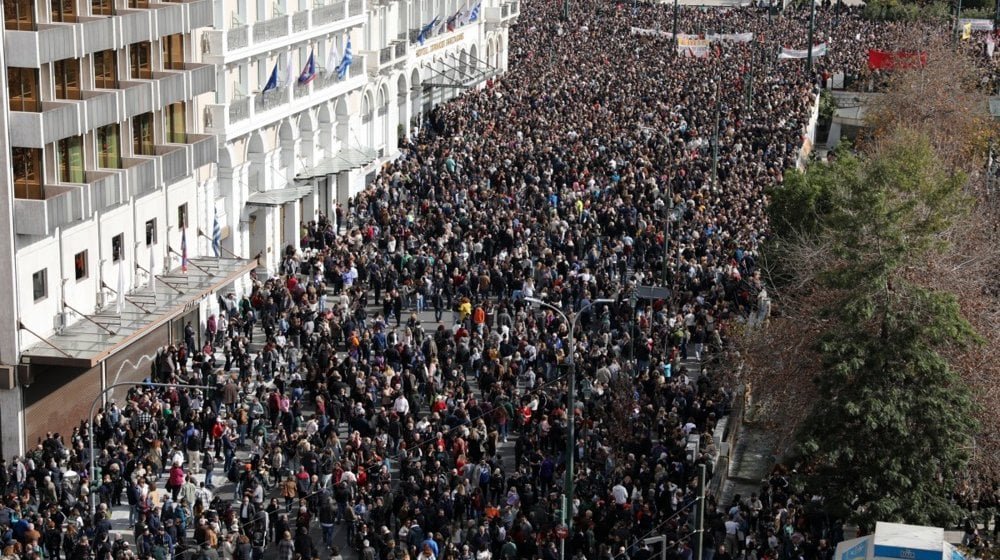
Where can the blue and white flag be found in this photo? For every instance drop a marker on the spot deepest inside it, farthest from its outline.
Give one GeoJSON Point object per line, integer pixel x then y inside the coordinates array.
{"type": "Point", "coordinates": [427, 29]}
{"type": "Point", "coordinates": [217, 229]}
{"type": "Point", "coordinates": [345, 63]}
{"type": "Point", "coordinates": [309, 71]}
{"type": "Point", "coordinates": [272, 82]}
{"type": "Point", "coordinates": [474, 14]}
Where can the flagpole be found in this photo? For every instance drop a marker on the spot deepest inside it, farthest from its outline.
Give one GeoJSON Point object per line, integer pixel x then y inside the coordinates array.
{"type": "Point", "coordinates": [812, 23]}
{"type": "Point", "coordinates": [958, 18]}
{"type": "Point", "coordinates": [675, 27]}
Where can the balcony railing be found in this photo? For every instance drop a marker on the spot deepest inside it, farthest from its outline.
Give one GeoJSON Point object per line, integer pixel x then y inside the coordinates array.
{"type": "Point", "coordinates": [136, 25]}
{"type": "Point", "coordinates": [100, 107]}
{"type": "Point", "coordinates": [385, 56]}
{"type": "Point", "coordinates": [238, 37]}
{"type": "Point", "coordinates": [107, 189]}
{"type": "Point", "coordinates": [169, 18]}
{"type": "Point", "coordinates": [300, 21]}
{"type": "Point", "coordinates": [30, 49]}
{"type": "Point", "coordinates": [138, 97]}
{"type": "Point", "coordinates": [56, 120]}
{"type": "Point", "coordinates": [170, 86]}
{"type": "Point", "coordinates": [357, 7]}
{"type": "Point", "coordinates": [400, 50]}
{"type": "Point", "coordinates": [329, 13]}
{"type": "Point", "coordinates": [59, 206]}
{"type": "Point", "coordinates": [98, 33]}
{"type": "Point", "coordinates": [201, 78]}
{"type": "Point", "coordinates": [173, 162]}
{"type": "Point", "coordinates": [239, 109]}
{"type": "Point", "coordinates": [200, 14]}
{"type": "Point", "coordinates": [141, 174]}
{"type": "Point", "coordinates": [357, 68]}
{"type": "Point", "coordinates": [268, 30]}
{"type": "Point", "coordinates": [267, 100]}
{"type": "Point", "coordinates": [504, 11]}
{"type": "Point", "coordinates": [204, 149]}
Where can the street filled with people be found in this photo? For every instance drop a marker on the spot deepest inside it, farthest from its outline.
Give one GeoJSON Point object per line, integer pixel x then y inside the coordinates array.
{"type": "Point", "coordinates": [342, 422]}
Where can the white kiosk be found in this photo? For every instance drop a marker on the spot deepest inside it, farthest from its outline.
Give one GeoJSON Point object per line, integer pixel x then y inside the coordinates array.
{"type": "Point", "coordinates": [895, 541]}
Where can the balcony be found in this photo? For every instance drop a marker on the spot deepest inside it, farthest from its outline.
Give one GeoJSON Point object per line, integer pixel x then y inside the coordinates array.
{"type": "Point", "coordinates": [136, 25]}
{"type": "Point", "coordinates": [31, 49]}
{"type": "Point", "coordinates": [267, 100]}
{"type": "Point", "coordinates": [300, 21]}
{"type": "Point", "coordinates": [329, 13]}
{"type": "Point", "coordinates": [138, 97]}
{"type": "Point", "coordinates": [170, 87]}
{"type": "Point", "coordinates": [105, 189]}
{"type": "Point", "coordinates": [173, 162]}
{"type": "Point", "coordinates": [98, 34]}
{"type": "Point", "coordinates": [356, 8]}
{"type": "Point", "coordinates": [200, 13]}
{"type": "Point", "coordinates": [141, 175]}
{"type": "Point", "coordinates": [201, 78]}
{"type": "Point", "coordinates": [400, 49]}
{"type": "Point", "coordinates": [100, 107]}
{"type": "Point", "coordinates": [56, 120]}
{"type": "Point", "coordinates": [169, 19]}
{"type": "Point", "coordinates": [271, 29]}
{"type": "Point", "coordinates": [237, 38]}
{"type": "Point", "coordinates": [204, 149]}
{"type": "Point", "coordinates": [58, 206]}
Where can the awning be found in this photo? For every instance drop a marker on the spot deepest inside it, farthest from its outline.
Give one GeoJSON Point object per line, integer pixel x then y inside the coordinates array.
{"type": "Point", "coordinates": [345, 160]}
{"type": "Point", "coordinates": [277, 197]}
{"type": "Point", "coordinates": [457, 75]}
{"type": "Point", "coordinates": [89, 342]}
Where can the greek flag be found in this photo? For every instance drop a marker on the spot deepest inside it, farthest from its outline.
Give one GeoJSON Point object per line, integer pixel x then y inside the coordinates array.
{"type": "Point", "coordinates": [217, 230]}
{"type": "Point", "coordinates": [474, 14]}
{"type": "Point", "coordinates": [345, 63]}
{"type": "Point", "coordinates": [427, 29]}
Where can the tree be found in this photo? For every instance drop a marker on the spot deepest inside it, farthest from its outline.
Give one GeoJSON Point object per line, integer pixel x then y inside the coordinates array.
{"type": "Point", "coordinates": [893, 421]}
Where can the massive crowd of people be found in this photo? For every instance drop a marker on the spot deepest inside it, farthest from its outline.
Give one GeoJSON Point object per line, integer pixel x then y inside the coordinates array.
{"type": "Point", "coordinates": [586, 171]}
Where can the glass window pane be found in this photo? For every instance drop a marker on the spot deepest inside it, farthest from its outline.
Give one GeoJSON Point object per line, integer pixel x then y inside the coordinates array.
{"type": "Point", "coordinates": [108, 147]}
{"type": "Point", "coordinates": [70, 157]}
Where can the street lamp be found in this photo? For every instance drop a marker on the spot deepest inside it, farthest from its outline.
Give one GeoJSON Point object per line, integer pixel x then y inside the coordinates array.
{"type": "Point", "coordinates": [567, 519]}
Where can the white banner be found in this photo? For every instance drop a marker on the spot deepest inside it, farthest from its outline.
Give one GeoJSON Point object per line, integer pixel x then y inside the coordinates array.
{"type": "Point", "coordinates": [818, 50]}
{"type": "Point", "coordinates": [734, 37]}
{"type": "Point", "coordinates": [712, 37]}
{"type": "Point", "coordinates": [694, 47]}
{"type": "Point", "coordinates": [977, 24]}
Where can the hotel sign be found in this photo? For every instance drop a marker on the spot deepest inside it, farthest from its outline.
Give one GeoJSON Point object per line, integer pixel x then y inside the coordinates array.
{"type": "Point", "coordinates": [440, 44]}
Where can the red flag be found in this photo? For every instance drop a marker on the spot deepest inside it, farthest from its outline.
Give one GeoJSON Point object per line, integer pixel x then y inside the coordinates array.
{"type": "Point", "coordinates": [886, 60]}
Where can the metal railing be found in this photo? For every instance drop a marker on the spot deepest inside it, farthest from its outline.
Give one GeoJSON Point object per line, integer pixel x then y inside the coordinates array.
{"type": "Point", "coordinates": [238, 37]}
{"type": "Point", "coordinates": [356, 7]}
{"type": "Point", "coordinates": [357, 68]}
{"type": "Point", "coordinates": [270, 29]}
{"type": "Point", "coordinates": [329, 13]}
{"type": "Point", "coordinates": [98, 33]}
{"type": "Point", "coordinates": [101, 107]}
{"type": "Point", "coordinates": [169, 19]}
{"type": "Point", "coordinates": [138, 97]}
{"type": "Point", "coordinates": [140, 173]}
{"type": "Point", "coordinates": [135, 25]}
{"type": "Point", "coordinates": [400, 50]}
{"type": "Point", "coordinates": [173, 162]}
{"type": "Point", "coordinates": [56, 41]}
{"type": "Point", "coordinates": [201, 77]}
{"type": "Point", "coordinates": [239, 109]}
{"type": "Point", "coordinates": [171, 87]}
{"type": "Point", "coordinates": [200, 13]}
{"type": "Point", "coordinates": [265, 101]}
{"type": "Point", "coordinates": [385, 55]}
{"type": "Point", "coordinates": [300, 21]}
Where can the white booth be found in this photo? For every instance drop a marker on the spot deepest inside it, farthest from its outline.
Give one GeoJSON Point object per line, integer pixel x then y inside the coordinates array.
{"type": "Point", "coordinates": [895, 541]}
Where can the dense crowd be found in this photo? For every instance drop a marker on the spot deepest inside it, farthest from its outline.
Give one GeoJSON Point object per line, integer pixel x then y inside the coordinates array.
{"type": "Point", "coordinates": [586, 171]}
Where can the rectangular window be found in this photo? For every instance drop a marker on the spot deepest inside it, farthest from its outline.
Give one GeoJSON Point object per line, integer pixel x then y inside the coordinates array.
{"type": "Point", "coordinates": [140, 62]}
{"type": "Point", "coordinates": [22, 88]}
{"type": "Point", "coordinates": [40, 284]}
{"type": "Point", "coordinates": [138, 4]}
{"type": "Point", "coordinates": [19, 15]}
{"type": "Point", "coordinates": [66, 75]}
{"type": "Point", "coordinates": [142, 134]}
{"type": "Point", "coordinates": [27, 167]}
{"type": "Point", "coordinates": [118, 247]}
{"type": "Point", "coordinates": [109, 151]}
{"type": "Point", "coordinates": [106, 69]}
{"type": "Point", "coordinates": [102, 7]}
{"type": "Point", "coordinates": [64, 11]}
{"type": "Point", "coordinates": [176, 126]}
{"type": "Point", "coordinates": [151, 232]}
{"type": "Point", "coordinates": [70, 159]}
{"type": "Point", "coordinates": [173, 51]}
{"type": "Point", "coordinates": [182, 215]}
{"type": "Point", "coordinates": [80, 265]}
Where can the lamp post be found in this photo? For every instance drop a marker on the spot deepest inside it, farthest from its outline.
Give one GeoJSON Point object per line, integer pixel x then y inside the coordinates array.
{"type": "Point", "coordinates": [675, 27]}
{"type": "Point", "coordinates": [567, 519]}
{"type": "Point", "coordinates": [812, 23]}
{"type": "Point", "coordinates": [90, 427]}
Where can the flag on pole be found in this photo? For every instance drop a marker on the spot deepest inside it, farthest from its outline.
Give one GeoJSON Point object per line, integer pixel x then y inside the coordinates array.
{"type": "Point", "coordinates": [272, 82]}
{"type": "Point", "coordinates": [287, 78]}
{"type": "Point", "coordinates": [427, 29]}
{"type": "Point", "coordinates": [332, 59]}
{"type": "Point", "coordinates": [120, 304]}
{"type": "Point", "coordinates": [184, 249]}
{"type": "Point", "coordinates": [217, 229]}
{"type": "Point", "coordinates": [991, 45]}
{"type": "Point", "coordinates": [152, 264]}
{"type": "Point", "coordinates": [474, 14]}
{"type": "Point", "coordinates": [967, 31]}
{"type": "Point", "coordinates": [307, 75]}
{"type": "Point", "coordinates": [345, 63]}
{"type": "Point", "coordinates": [450, 24]}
